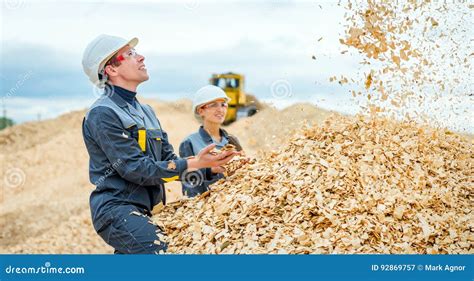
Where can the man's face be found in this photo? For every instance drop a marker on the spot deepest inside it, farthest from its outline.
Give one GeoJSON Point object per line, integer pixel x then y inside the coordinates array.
{"type": "Point", "coordinates": [131, 69]}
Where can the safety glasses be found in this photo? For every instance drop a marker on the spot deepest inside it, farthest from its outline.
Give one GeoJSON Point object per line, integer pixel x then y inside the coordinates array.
{"type": "Point", "coordinates": [128, 54]}
{"type": "Point", "coordinates": [214, 105]}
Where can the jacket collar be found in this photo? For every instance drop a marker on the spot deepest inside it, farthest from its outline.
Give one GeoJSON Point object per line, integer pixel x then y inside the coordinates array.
{"type": "Point", "coordinates": [207, 138]}
{"type": "Point", "coordinates": [117, 99]}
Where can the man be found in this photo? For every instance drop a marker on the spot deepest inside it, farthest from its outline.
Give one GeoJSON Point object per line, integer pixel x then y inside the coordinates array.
{"type": "Point", "coordinates": [130, 156]}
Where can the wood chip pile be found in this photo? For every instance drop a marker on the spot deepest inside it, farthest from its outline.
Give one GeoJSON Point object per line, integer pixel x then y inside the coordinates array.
{"type": "Point", "coordinates": [351, 185]}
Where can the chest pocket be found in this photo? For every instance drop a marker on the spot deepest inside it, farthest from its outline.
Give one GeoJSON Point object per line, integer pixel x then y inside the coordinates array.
{"type": "Point", "coordinates": [154, 141]}
{"type": "Point", "coordinates": [149, 140]}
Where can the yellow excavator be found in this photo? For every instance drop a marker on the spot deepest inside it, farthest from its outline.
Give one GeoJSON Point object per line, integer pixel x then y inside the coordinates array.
{"type": "Point", "coordinates": [241, 104]}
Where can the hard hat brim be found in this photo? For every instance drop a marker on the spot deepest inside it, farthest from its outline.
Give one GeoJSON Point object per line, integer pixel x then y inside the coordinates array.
{"type": "Point", "coordinates": [227, 99]}
{"type": "Point", "coordinates": [196, 115]}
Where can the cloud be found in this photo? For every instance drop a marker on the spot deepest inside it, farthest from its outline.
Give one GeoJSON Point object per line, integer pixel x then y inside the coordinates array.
{"type": "Point", "coordinates": [184, 44]}
{"type": "Point", "coordinates": [56, 73]}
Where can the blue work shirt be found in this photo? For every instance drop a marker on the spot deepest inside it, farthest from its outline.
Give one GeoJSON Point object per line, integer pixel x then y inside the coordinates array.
{"type": "Point", "coordinates": [130, 157]}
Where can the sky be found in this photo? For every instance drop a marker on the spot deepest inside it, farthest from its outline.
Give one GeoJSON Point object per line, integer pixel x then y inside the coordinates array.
{"type": "Point", "coordinates": [184, 43]}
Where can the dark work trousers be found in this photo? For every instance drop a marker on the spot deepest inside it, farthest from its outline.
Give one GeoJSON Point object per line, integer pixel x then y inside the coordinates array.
{"type": "Point", "coordinates": [131, 231]}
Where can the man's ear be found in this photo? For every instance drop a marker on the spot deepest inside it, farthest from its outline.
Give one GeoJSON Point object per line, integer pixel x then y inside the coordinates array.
{"type": "Point", "coordinates": [110, 71]}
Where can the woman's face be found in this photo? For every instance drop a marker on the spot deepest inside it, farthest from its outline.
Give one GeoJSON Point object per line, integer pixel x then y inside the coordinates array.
{"type": "Point", "coordinates": [214, 111]}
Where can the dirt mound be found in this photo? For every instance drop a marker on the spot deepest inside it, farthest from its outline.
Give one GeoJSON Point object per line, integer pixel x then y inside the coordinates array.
{"type": "Point", "coordinates": [349, 186]}
{"type": "Point", "coordinates": [29, 134]}
{"type": "Point", "coordinates": [74, 236]}
{"type": "Point", "coordinates": [45, 176]}
{"type": "Point", "coordinates": [45, 188]}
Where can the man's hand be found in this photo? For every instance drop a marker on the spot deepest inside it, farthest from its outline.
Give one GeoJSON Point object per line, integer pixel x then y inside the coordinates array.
{"type": "Point", "coordinates": [207, 160]}
{"type": "Point", "coordinates": [218, 170]}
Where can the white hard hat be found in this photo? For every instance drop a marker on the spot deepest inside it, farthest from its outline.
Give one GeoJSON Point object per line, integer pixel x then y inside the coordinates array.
{"type": "Point", "coordinates": [207, 94]}
{"type": "Point", "coordinates": [99, 51]}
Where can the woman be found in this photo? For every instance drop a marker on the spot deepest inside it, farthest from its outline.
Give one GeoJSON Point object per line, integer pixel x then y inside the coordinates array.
{"type": "Point", "coordinates": [210, 105]}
